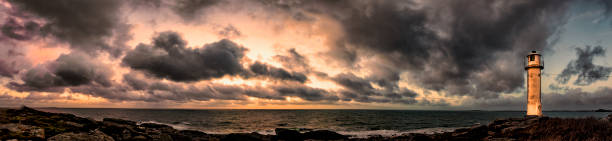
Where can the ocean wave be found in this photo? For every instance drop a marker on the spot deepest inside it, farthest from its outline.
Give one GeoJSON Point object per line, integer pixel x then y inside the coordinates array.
{"type": "Point", "coordinates": [178, 126]}
{"type": "Point", "coordinates": [351, 134]}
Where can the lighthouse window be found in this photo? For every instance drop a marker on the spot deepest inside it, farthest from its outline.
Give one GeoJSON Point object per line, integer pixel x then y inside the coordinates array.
{"type": "Point", "coordinates": [532, 58]}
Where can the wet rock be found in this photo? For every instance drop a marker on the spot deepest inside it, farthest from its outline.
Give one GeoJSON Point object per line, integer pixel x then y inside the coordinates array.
{"type": "Point", "coordinates": [21, 131]}
{"type": "Point", "coordinates": [95, 135]}
{"type": "Point", "coordinates": [287, 134]}
{"type": "Point", "coordinates": [152, 128]}
{"type": "Point", "coordinates": [243, 137]}
{"type": "Point", "coordinates": [323, 135]}
{"type": "Point", "coordinates": [193, 135]}
{"type": "Point", "coordinates": [475, 133]}
{"type": "Point", "coordinates": [419, 137]}
{"type": "Point", "coordinates": [122, 129]}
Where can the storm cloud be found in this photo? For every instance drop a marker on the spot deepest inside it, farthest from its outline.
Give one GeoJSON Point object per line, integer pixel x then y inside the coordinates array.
{"type": "Point", "coordinates": [168, 57]}
{"type": "Point", "coordinates": [72, 69]}
{"type": "Point", "coordinates": [6, 69]}
{"type": "Point", "coordinates": [25, 31]}
{"type": "Point", "coordinates": [450, 47]}
{"type": "Point", "coordinates": [191, 10]}
{"type": "Point", "coordinates": [410, 52]}
{"type": "Point", "coordinates": [86, 25]}
{"type": "Point", "coordinates": [363, 90]}
{"type": "Point", "coordinates": [583, 67]}
{"type": "Point", "coordinates": [266, 70]}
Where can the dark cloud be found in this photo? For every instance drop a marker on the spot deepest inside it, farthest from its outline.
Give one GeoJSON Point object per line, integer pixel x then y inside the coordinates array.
{"type": "Point", "coordinates": [72, 69]}
{"type": "Point", "coordinates": [192, 9]}
{"type": "Point", "coordinates": [145, 3]}
{"type": "Point", "coordinates": [229, 32]}
{"type": "Point", "coordinates": [561, 99]}
{"type": "Point", "coordinates": [607, 7]}
{"type": "Point", "coordinates": [270, 71]}
{"type": "Point", "coordinates": [584, 68]}
{"type": "Point", "coordinates": [76, 69]}
{"type": "Point", "coordinates": [158, 90]}
{"type": "Point", "coordinates": [354, 83]}
{"type": "Point", "coordinates": [86, 25]}
{"type": "Point", "coordinates": [578, 99]}
{"type": "Point", "coordinates": [557, 87]}
{"type": "Point", "coordinates": [6, 69]}
{"type": "Point", "coordinates": [462, 48]}
{"type": "Point", "coordinates": [17, 31]}
{"type": "Point", "coordinates": [362, 90]}
{"type": "Point", "coordinates": [168, 57]}
{"type": "Point", "coordinates": [12, 60]}
{"type": "Point", "coordinates": [304, 92]}
{"type": "Point", "coordinates": [388, 98]}
{"type": "Point", "coordinates": [446, 47]}
{"type": "Point", "coordinates": [293, 61]}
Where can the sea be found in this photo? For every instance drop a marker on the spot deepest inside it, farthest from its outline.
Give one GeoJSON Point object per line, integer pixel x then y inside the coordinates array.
{"type": "Point", "coordinates": [354, 123]}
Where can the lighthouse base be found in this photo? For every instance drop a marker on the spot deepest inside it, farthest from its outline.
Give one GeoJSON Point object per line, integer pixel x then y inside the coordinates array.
{"type": "Point", "coordinates": [532, 116]}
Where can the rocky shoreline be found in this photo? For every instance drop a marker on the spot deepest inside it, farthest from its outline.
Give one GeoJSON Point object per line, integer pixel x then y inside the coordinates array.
{"type": "Point", "coordinates": [30, 124]}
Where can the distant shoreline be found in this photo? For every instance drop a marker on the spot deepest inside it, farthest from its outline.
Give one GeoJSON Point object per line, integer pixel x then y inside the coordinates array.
{"type": "Point", "coordinates": [30, 124]}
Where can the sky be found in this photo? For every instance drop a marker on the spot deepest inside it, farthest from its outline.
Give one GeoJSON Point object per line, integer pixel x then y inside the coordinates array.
{"type": "Point", "coordinates": [303, 54]}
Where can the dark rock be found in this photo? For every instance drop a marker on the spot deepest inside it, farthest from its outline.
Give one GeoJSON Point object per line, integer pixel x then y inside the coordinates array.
{"type": "Point", "coordinates": [157, 129]}
{"type": "Point", "coordinates": [287, 134]}
{"type": "Point", "coordinates": [95, 135]}
{"type": "Point", "coordinates": [153, 125]}
{"type": "Point", "coordinates": [419, 137]}
{"type": "Point", "coordinates": [475, 133]}
{"type": "Point", "coordinates": [190, 135]}
{"type": "Point", "coordinates": [124, 130]}
{"type": "Point", "coordinates": [323, 135]}
{"type": "Point", "coordinates": [603, 110]}
{"type": "Point", "coordinates": [242, 137]}
{"type": "Point", "coordinates": [119, 121]}
{"type": "Point", "coordinates": [20, 131]}
{"type": "Point", "coordinates": [404, 137]}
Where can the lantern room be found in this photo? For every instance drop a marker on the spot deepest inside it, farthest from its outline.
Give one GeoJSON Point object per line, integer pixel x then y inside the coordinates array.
{"type": "Point", "coordinates": [534, 60]}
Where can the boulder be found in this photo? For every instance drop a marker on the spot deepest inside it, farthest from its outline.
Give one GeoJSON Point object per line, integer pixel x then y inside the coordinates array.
{"type": "Point", "coordinates": [323, 135]}
{"type": "Point", "coordinates": [413, 137]}
{"type": "Point", "coordinates": [95, 135]}
{"type": "Point", "coordinates": [242, 137]}
{"type": "Point", "coordinates": [189, 135]}
{"type": "Point", "coordinates": [287, 134]}
{"type": "Point", "coordinates": [23, 131]}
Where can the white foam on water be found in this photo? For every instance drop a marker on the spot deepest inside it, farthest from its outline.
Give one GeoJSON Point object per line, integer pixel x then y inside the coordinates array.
{"type": "Point", "coordinates": [175, 126]}
{"type": "Point", "coordinates": [392, 133]}
{"type": "Point", "coordinates": [267, 132]}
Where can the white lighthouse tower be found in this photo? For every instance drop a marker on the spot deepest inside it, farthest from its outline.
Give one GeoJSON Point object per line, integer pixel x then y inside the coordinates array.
{"type": "Point", "coordinates": [534, 67]}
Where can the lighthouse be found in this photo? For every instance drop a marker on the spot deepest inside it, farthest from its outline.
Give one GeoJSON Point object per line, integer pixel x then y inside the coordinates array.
{"type": "Point", "coordinates": [534, 67]}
